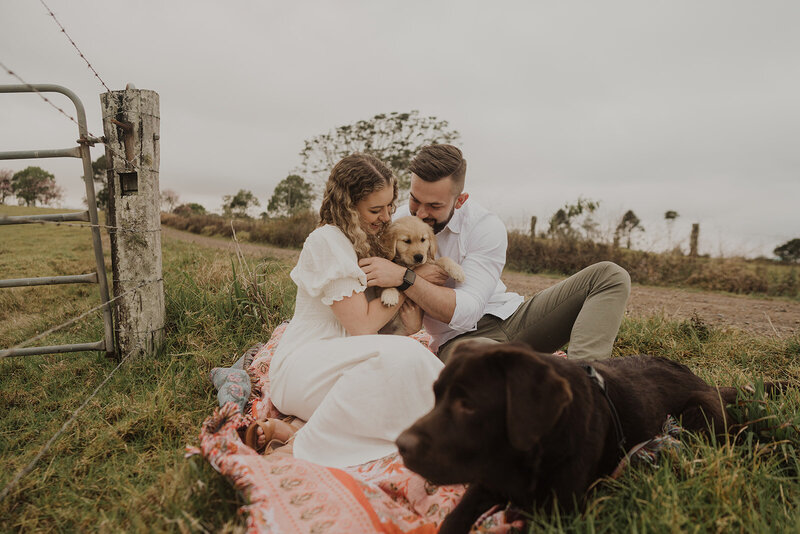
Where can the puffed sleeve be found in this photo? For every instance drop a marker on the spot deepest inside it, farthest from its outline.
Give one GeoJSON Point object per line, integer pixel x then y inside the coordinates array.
{"type": "Point", "coordinates": [328, 266]}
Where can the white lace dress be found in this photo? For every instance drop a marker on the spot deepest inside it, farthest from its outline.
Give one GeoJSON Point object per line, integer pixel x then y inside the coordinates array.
{"type": "Point", "coordinates": [357, 393]}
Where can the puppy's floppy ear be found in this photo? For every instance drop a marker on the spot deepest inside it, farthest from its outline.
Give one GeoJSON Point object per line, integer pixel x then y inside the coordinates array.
{"type": "Point", "coordinates": [431, 244]}
{"type": "Point", "coordinates": [389, 242]}
{"type": "Point", "coordinates": [535, 396]}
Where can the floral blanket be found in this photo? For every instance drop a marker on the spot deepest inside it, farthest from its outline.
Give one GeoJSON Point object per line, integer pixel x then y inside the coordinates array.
{"type": "Point", "coordinates": [288, 495]}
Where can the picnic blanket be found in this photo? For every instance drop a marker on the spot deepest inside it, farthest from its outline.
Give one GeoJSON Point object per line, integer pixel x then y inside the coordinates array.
{"type": "Point", "coordinates": [289, 495]}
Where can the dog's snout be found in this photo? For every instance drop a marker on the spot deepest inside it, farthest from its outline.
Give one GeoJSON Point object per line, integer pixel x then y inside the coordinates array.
{"type": "Point", "coordinates": [407, 443]}
{"type": "Point", "coordinates": [418, 258]}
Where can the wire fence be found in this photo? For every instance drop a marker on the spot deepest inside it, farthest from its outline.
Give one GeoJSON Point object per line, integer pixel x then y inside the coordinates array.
{"type": "Point", "coordinates": [5, 353]}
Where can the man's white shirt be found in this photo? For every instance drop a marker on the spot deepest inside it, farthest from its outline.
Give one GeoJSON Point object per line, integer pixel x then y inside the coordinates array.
{"type": "Point", "coordinates": [477, 240]}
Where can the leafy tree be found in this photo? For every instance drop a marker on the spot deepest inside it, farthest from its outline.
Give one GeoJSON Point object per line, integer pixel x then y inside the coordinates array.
{"type": "Point", "coordinates": [238, 204]}
{"type": "Point", "coordinates": [789, 252]}
{"type": "Point", "coordinates": [291, 195]}
{"type": "Point", "coordinates": [670, 217]}
{"type": "Point", "coordinates": [169, 198]}
{"type": "Point", "coordinates": [626, 226]}
{"type": "Point", "coordinates": [100, 176]}
{"type": "Point", "coordinates": [34, 184]}
{"type": "Point", "coordinates": [394, 138]}
{"type": "Point", "coordinates": [5, 184]}
{"type": "Point", "coordinates": [574, 221]}
{"type": "Point", "coordinates": [193, 208]}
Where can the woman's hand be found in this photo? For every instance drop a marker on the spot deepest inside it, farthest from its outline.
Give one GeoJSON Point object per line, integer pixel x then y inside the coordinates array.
{"type": "Point", "coordinates": [411, 316]}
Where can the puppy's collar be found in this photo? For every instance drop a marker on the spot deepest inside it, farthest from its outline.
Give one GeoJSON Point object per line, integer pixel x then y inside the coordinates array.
{"type": "Point", "coordinates": [598, 379]}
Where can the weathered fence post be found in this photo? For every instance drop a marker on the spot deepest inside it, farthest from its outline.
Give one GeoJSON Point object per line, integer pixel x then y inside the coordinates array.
{"type": "Point", "coordinates": [693, 240]}
{"type": "Point", "coordinates": [131, 124]}
{"type": "Point", "coordinates": [533, 226]}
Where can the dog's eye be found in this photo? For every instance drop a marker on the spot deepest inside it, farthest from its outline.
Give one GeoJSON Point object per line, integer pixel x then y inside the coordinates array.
{"type": "Point", "coordinates": [463, 405]}
{"type": "Point", "coordinates": [408, 241]}
{"type": "Point", "coordinates": [422, 240]}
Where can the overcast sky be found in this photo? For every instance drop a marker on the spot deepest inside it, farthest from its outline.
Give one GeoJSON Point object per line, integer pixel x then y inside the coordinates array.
{"type": "Point", "coordinates": [650, 106]}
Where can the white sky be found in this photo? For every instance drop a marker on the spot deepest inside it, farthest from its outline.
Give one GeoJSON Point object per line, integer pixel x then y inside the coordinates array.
{"type": "Point", "coordinates": [650, 106]}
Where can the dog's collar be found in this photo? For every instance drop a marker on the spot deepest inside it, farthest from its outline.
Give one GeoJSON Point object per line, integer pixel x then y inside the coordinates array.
{"type": "Point", "coordinates": [598, 379]}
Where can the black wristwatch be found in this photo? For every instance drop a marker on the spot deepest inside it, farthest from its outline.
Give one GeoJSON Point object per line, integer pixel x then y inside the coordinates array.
{"type": "Point", "coordinates": [408, 280]}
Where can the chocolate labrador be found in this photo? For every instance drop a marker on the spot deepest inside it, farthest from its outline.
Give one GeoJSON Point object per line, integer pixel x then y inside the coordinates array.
{"type": "Point", "coordinates": [531, 428]}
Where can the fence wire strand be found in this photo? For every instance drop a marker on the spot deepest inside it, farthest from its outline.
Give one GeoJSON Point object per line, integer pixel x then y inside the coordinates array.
{"type": "Point", "coordinates": [83, 57]}
{"type": "Point", "coordinates": [5, 353]}
{"type": "Point", "coordinates": [28, 468]}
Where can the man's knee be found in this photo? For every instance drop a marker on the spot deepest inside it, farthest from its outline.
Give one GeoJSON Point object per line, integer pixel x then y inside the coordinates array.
{"type": "Point", "coordinates": [614, 274]}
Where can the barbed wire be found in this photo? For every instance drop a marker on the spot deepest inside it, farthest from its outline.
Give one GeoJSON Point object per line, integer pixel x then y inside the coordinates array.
{"type": "Point", "coordinates": [6, 353]}
{"type": "Point", "coordinates": [109, 229]}
{"type": "Point", "coordinates": [64, 31]}
{"type": "Point", "coordinates": [41, 95]}
{"type": "Point", "coordinates": [91, 138]}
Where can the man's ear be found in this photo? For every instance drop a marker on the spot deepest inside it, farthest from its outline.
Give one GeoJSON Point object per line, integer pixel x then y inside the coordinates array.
{"type": "Point", "coordinates": [535, 396]}
{"type": "Point", "coordinates": [460, 199]}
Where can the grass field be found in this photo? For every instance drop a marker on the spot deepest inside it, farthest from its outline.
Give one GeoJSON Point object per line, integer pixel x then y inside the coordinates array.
{"type": "Point", "coordinates": [120, 467]}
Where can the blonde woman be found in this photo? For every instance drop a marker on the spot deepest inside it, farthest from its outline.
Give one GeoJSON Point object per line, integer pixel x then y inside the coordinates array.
{"type": "Point", "coordinates": [356, 389]}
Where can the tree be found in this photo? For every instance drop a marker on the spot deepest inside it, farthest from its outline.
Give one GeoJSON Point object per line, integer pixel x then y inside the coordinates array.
{"type": "Point", "coordinates": [291, 195]}
{"type": "Point", "coordinates": [193, 208]}
{"type": "Point", "coordinates": [574, 221]}
{"type": "Point", "coordinates": [5, 184]}
{"type": "Point", "coordinates": [626, 226]}
{"type": "Point", "coordinates": [394, 138]}
{"type": "Point", "coordinates": [100, 176]}
{"type": "Point", "coordinates": [670, 217]}
{"type": "Point", "coordinates": [169, 198]}
{"type": "Point", "coordinates": [789, 252]}
{"type": "Point", "coordinates": [238, 204]}
{"type": "Point", "coordinates": [34, 184]}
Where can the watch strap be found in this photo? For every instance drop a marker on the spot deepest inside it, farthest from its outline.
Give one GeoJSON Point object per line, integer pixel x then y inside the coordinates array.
{"type": "Point", "coordinates": [408, 280]}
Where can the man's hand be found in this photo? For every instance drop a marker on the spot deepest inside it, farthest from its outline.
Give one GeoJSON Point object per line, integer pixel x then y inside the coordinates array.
{"type": "Point", "coordinates": [432, 273]}
{"type": "Point", "coordinates": [411, 316]}
{"type": "Point", "coordinates": [382, 272]}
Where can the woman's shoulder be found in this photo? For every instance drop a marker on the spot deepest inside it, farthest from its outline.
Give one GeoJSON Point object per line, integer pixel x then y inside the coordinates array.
{"type": "Point", "coordinates": [328, 236]}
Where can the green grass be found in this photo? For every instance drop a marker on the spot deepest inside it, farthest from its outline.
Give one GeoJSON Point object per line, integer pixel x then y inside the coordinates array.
{"type": "Point", "coordinates": [120, 467]}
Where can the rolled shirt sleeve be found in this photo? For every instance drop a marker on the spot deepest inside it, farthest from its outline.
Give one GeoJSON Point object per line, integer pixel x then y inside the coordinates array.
{"type": "Point", "coordinates": [484, 249]}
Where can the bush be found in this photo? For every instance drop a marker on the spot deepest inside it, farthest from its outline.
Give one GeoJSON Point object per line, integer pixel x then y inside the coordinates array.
{"type": "Point", "coordinates": [282, 232]}
{"type": "Point", "coordinates": [567, 257]}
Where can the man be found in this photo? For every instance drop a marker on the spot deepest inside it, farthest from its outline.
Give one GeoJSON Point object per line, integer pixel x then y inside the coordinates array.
{"type": "Point", "coordinates": [584, 310]}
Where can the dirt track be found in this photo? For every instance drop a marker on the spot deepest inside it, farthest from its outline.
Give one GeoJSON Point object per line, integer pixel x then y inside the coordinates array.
{"type": "Point", "coordinates": [769, 317]}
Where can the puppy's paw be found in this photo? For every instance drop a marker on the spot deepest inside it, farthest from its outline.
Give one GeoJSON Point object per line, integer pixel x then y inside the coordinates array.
{"type": "Point", "coordinates": [453, 269]}
{"type": "Point", "coordinates": [390, 296]}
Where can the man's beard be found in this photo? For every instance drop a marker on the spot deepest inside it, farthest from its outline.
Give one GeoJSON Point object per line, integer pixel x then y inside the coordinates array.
{"type": "Point", "coordinates": [438, 226]}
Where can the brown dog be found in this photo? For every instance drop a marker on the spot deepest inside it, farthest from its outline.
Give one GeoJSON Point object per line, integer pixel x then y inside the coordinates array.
{"type": "Point", "coordinates": [529, 428]}
{"type": "Point", "coordinates": [410, 242]}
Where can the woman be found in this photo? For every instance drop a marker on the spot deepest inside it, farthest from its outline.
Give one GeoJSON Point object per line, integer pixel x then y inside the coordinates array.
{"type": "Point", "coordinates": [356, 389]}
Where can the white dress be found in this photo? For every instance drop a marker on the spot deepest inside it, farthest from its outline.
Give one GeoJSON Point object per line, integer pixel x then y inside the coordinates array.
{"type": "Point", "coordinates": [357, 393]}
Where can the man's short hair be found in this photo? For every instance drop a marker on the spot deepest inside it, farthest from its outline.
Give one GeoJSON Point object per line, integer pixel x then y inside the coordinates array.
{"type": "Point", "coordinates": [435, 162]}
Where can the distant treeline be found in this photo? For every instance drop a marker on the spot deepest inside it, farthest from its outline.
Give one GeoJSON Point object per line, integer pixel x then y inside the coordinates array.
{"type": "Point", "coordinates": [545, 255]}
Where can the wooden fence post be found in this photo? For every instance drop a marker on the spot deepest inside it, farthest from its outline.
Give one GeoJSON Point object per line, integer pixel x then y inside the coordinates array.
{"type": "Point", "coordinates": [131, 124]}
{"type": "Point", "coordinates": [533, 226]}
{"type": "Point", "coordinates": [693, 240]}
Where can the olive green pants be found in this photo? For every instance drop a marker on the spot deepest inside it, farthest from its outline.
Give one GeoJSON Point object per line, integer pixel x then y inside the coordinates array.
{"type": "Point", "coordinates": [585, 310]}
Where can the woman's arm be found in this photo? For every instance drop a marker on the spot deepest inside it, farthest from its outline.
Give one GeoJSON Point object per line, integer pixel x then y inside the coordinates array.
{"type": "Point", "coordinates": [359, 317]}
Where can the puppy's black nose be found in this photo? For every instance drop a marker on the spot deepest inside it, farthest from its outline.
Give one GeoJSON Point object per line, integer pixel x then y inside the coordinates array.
{"type": "Point", "coordinates": [407, 443]}
{"type": "Point", "coordinates": [418, 258]}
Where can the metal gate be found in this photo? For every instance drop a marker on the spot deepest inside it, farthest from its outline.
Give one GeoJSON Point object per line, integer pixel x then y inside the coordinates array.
{"type": "Point", "coordinates": [90, 215]}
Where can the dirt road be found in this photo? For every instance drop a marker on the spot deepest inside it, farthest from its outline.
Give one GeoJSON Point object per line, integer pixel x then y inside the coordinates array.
{"type": "Point", "coordinates": [769, 317]}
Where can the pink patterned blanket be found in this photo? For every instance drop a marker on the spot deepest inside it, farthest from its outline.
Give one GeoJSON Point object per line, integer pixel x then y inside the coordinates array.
{"type": "Point", "coordinates": [288, 495]}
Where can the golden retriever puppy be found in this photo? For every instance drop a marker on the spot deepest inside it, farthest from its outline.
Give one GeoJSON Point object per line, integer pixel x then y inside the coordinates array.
{"type": "Point", "coordinates": [410, 242]}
